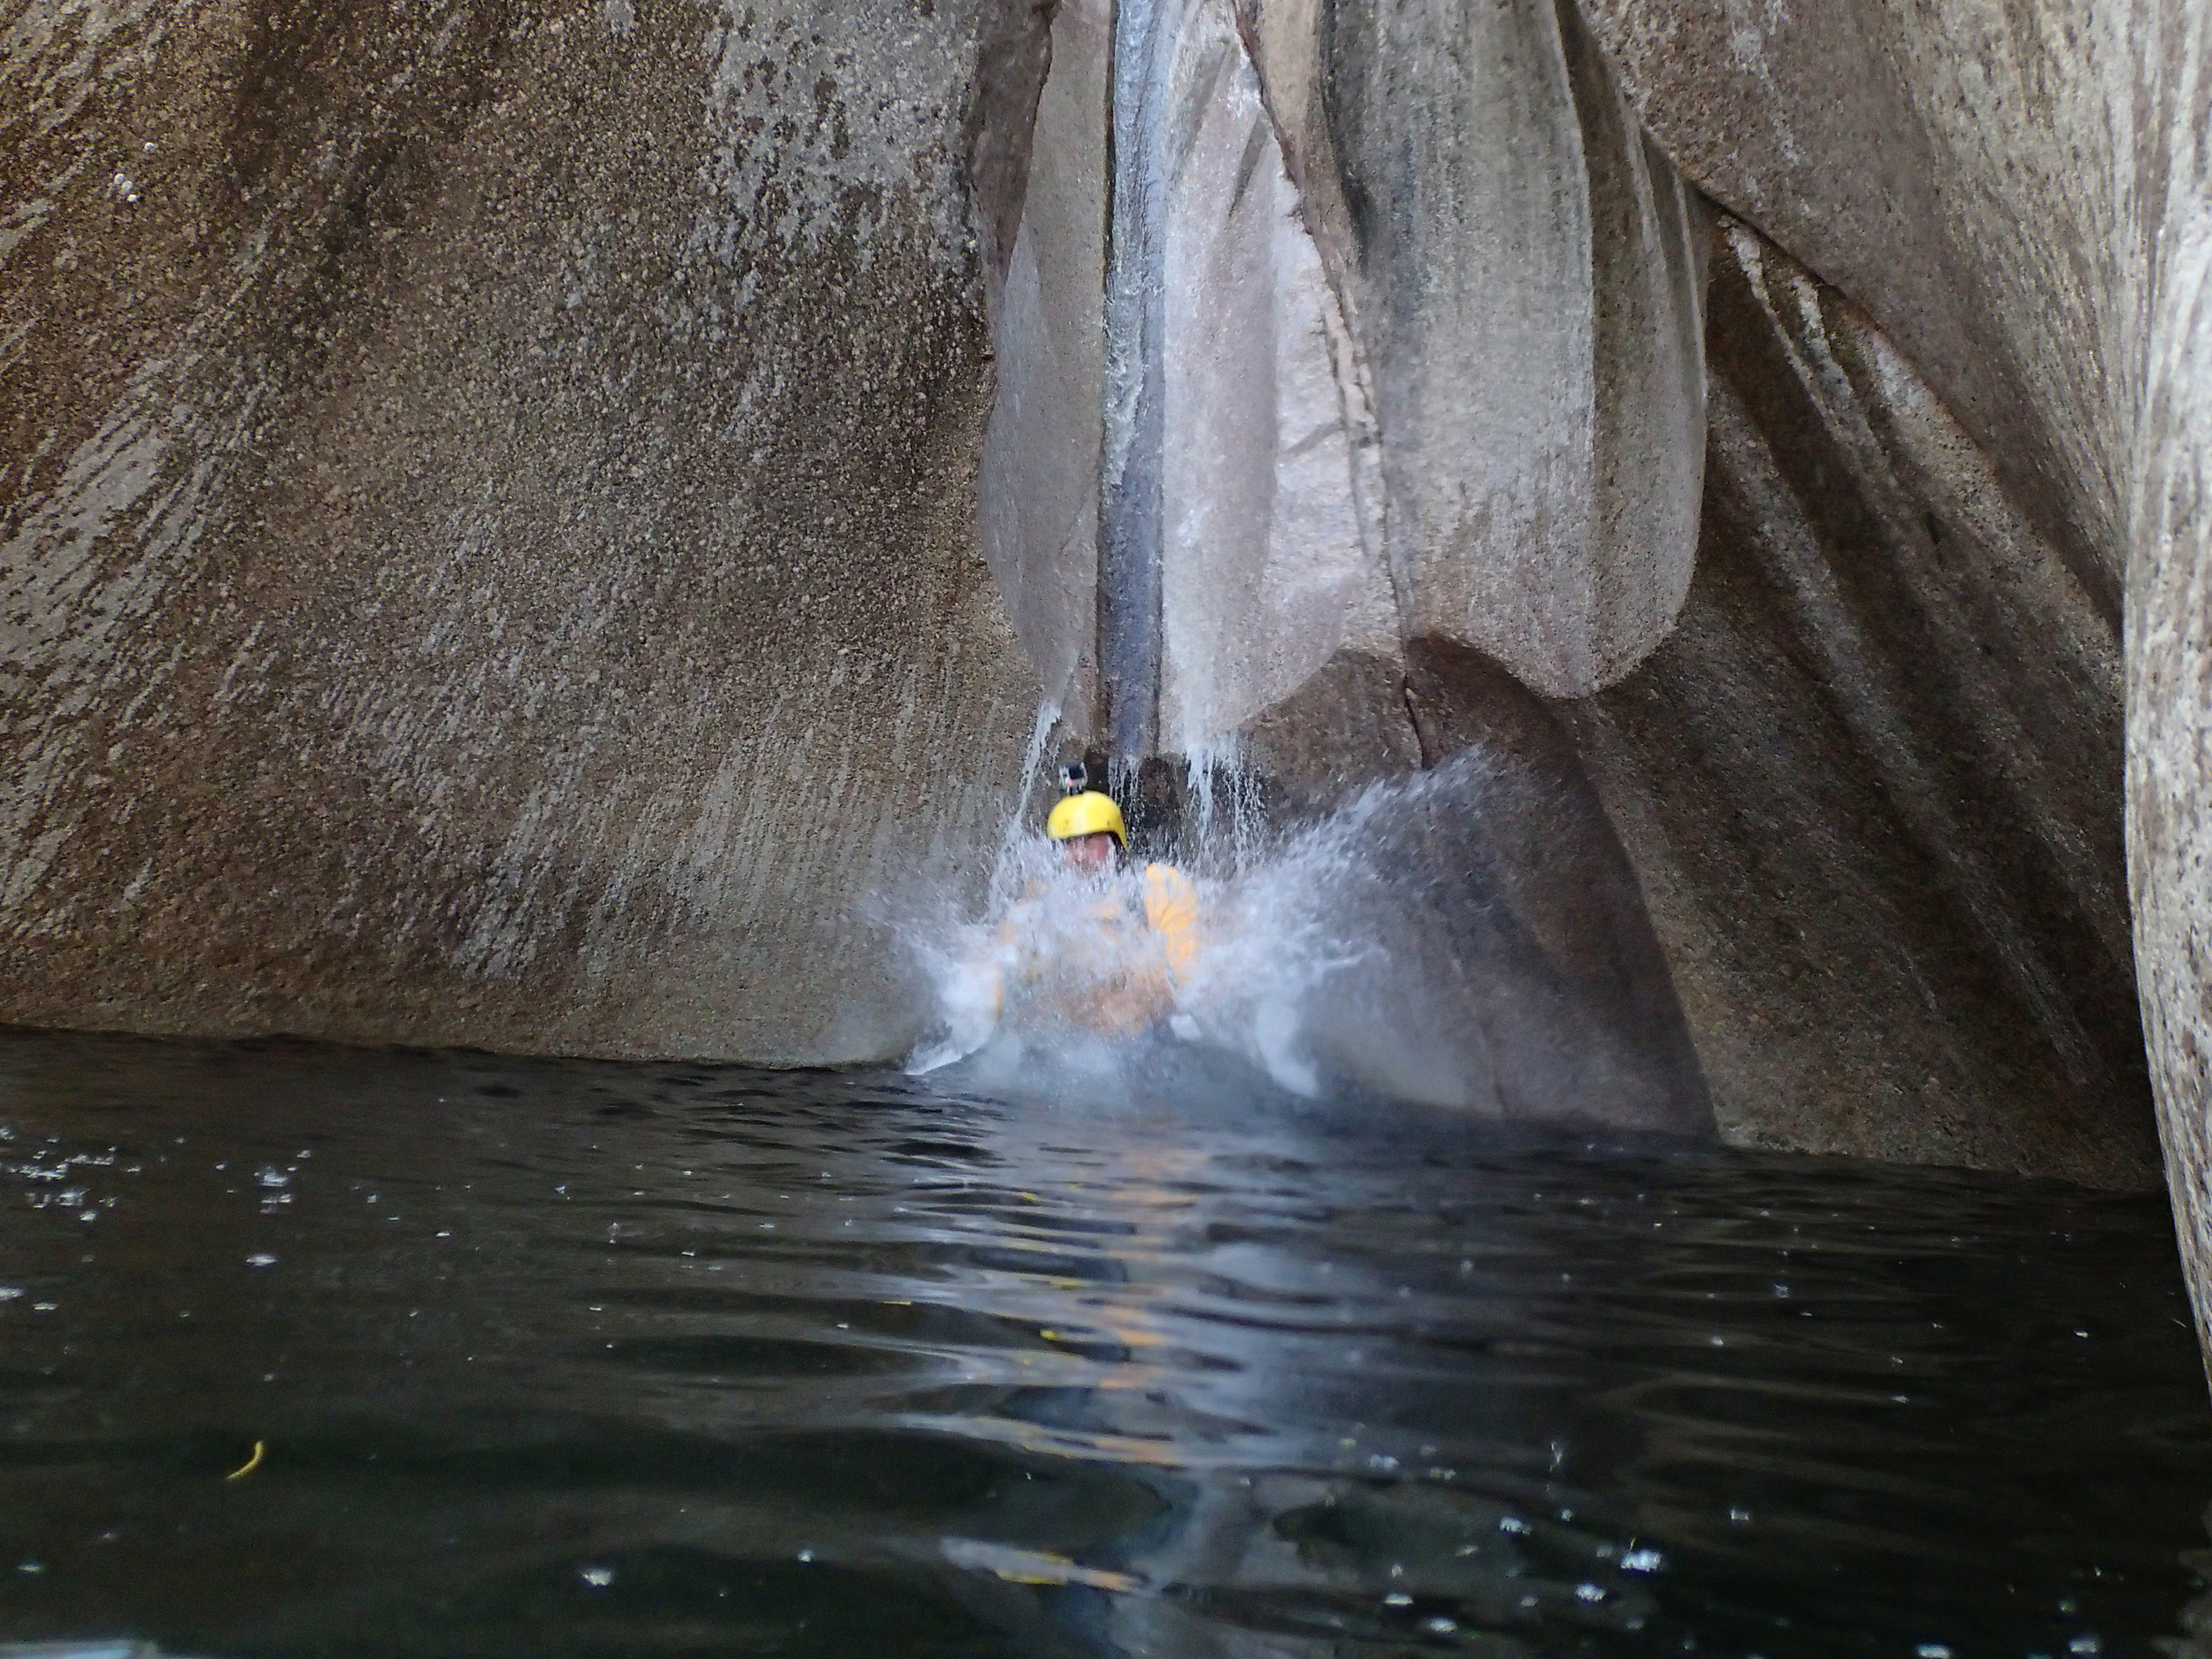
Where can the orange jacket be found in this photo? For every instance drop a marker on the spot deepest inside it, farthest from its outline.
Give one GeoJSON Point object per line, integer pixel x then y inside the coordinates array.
{"type": "Point", "coordinates": [1130, 980]}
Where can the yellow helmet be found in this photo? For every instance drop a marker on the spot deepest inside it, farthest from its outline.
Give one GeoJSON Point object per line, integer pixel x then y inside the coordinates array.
{"type": "Point", "coordinates": [1086, 814]}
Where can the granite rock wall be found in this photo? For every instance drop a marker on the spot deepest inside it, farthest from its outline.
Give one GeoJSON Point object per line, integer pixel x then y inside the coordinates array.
{"type": "Point", "coordinates": [1871, 783]}
{"type": "Point", "coordinates": [1520, 270]}
{"type": "Point", "coordinates": [2020, 197]}
{"type": "Point", "coordinates": [486, 536]}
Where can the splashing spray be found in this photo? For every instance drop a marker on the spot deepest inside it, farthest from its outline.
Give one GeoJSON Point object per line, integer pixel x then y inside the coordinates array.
{"type": "Point", "coordinates": [1318, 963]}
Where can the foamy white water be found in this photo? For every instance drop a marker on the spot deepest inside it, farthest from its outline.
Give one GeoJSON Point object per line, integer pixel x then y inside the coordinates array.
{"type": "Point", "coordinates": [1316, 961]}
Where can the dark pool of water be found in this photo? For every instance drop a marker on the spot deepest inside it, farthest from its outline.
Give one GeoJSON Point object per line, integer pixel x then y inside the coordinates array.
{"type": "Point", "coordinates": [580, 1359]}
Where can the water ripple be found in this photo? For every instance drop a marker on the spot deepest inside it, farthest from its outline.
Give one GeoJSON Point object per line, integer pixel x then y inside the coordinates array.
{"type": "Point", "coordinates": [569, 1358]}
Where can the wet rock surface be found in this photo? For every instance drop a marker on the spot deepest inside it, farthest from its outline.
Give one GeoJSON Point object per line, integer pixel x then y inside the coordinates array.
{"type": "Point", "coordinates": [1539, 910]}
{"type": "Point", "coordinates": [1871, 783]}
{"type": "Point", "coordinates": [1039, 166]}
{"type": "Point", "coordinates": [488, 539]}
{"type": "Point", "coordinates": [2022, 200]}
{"type": "Point", "coordinates": [1521, 268]}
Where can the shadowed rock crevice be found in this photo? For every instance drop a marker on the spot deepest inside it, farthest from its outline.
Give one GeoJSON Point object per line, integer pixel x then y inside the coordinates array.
{"type": "Point", "coordinates": [1517, 972]}
{"type": "Point", "coordinates": [998, 133]}
{"type": "Point", "coordinates": [1346, 727]}
{"type": "Point", "coordinates": [1039, 158]}
{"type": "Point", "coordinates": [1566, 975]}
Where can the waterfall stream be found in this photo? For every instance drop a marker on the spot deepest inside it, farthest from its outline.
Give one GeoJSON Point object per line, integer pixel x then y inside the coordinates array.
{"type": "Point", "coordinates": [1134, 394]}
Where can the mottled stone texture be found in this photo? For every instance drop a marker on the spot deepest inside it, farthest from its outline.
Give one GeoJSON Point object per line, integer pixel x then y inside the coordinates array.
{"type": "Point", "coordinates": [488, 548]}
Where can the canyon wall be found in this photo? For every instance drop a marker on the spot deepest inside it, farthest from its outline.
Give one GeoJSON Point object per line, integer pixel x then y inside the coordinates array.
{"type": "Point", "coordinates": [1855, 712]}
{"type": "Point", "coordinates": [550, 527]}
{"type": "Point", "coordinates": [489, 550]}
{"type": "Point", "coordinates": [2020, 198]}
{"type": "Point", "coordinates": [1870, 783]}
{"type": "Point", "coordinates": [1367, 486]}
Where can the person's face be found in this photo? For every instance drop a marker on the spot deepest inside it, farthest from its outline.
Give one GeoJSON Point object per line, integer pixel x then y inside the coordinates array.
{"type": "Point", "coordinates": [1090, 853]}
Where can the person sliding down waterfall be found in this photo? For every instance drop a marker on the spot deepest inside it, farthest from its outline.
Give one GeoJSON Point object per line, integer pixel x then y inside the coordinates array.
{"type": "Point", "coordinates": [1093, 950]}
{"type": "Point", "coordinates": [1144, 944]}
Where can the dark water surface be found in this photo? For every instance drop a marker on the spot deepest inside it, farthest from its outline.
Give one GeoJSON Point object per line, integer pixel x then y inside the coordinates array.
{"type": "Point", "coordinates": [560, 1358]}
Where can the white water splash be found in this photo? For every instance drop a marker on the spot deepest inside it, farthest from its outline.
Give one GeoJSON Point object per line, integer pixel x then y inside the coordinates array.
{"type": "Point", "coordinates": [1005, 872]}
{"type": "Point", "coordinates": [1318, 961]}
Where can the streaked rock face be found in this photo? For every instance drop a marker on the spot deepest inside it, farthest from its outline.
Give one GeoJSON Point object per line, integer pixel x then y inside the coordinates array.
{"type": "Point", "coordinates": [1428, 344]}
{"type": "Point", "coordinates": [1539, 914]}
{"type": "Point", "coordinates": [488, 550]}
{"type": "Point", "coordinates": [1902, 695]}
{"type": "Point", "coordinates": [2020, 199]}
{"type": "Point", "coordinates": [1271, 523]}
{"type": "Point", "coordinates": [2169, 744]}
{"type": "Point", "coordinates": [1042, 104]}
{"type": "Point", "coordinates": [1870, 783]}
{"type": "Point", "coordinates": [1987, 182]}
{"type": "Point", "coordinates": [1525, 272]}
{"type": "Point", "coordinates": [1277, 555]}
{"type": "Point", "coordinates": [2169, 676]}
